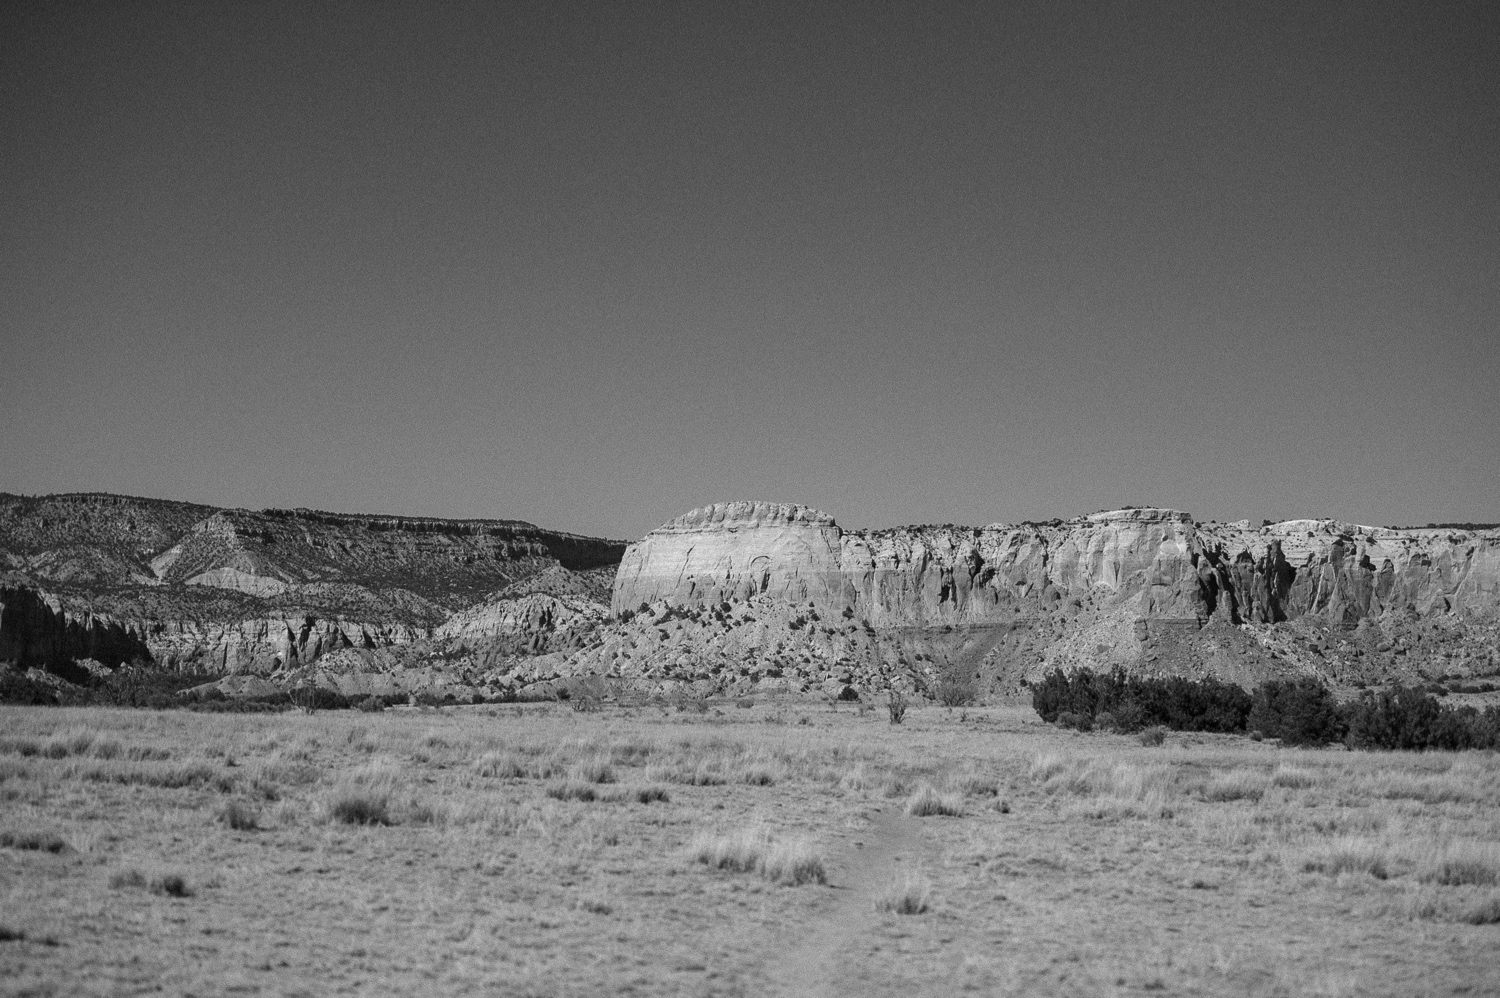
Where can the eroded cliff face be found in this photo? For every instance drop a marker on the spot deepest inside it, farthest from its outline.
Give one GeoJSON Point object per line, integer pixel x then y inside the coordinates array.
{"type": "Point", "coordinates": [741, 597]}
{"type": "Point", "coordinates": [734, 551]}
{"type": "Point", "coordinates": [36, 630]}
{"type": "Point", "coordinates": [1147, 589]}
{"type": "Point", "coordinates": [1179, 569]}
{"type": "Point", "coordinates": [188, 587]}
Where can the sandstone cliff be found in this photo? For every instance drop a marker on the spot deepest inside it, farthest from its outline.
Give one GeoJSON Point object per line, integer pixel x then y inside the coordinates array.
{"type": "Point", "coordinates": [919, 576]}
{"type": "Point", "coordinates": [1148, 589]}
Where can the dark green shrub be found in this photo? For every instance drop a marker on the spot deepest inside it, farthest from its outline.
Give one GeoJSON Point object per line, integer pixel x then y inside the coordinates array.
{"type": "Point", "coordinates": [358, 807]}
{"type": "Point", "coordinates": [1068, 719]}
{"type": "Point", "coordinates": [1298, 711]}
{"type": "Point", "coordinates": [16, 688]}
{"type": "Point", "coordinates": [310, 698]}
{"type": "Point", "coordinates": [1134, 703]}
{"type": "Point", "coordinates": [240, 816]}
{"type": "Point", "coordinates": [171, 885]}
{"type": "Point", "coordinates": [233, 706]}
{"type": "Point", "coordinates": [1407, 718]}
{"type": "Point", "coordinates": [1190, 705]}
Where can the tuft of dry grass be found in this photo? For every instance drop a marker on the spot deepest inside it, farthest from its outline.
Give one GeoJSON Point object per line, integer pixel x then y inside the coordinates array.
{"type": "Point", "coordinates": [75, 741]}
{"type": "Point", "coordinates": [928, 801]}
{"type": "Point", "coordinates": [172, 776]}
{"type": "Point", "coordinates": [1484, 912]}
{"type": "Point", "coordinates": [895, 786]}
{"type": "Point", "coordinates": [33, 841]}
{"type": "Point", "coordinates": [978, 785]}
{"type": "Point", "coordinates": [1235, 784]}
{"type": "Point", "coordinates": [1459, 863]}
{"type": "Point", "coordinates": [239, 816]}
{"type": "Point", "coordinates": [1293, 777]}
{"type": "Point", "coordinates": [793, 864]}
{"type": "Point", "coordinates": [595, 770]}
{"type": "Point", "coordinates": [1046, 765]}
{"type": "Point", "coordinates": [706, 773]}
{"type": "Point", "coordinates": [127, 878]}
{"type": "Point", "coordinates": [573, 790]}
{"type": "Point", "coordinates": [855, 778]}
{"type": "Point", "coordinates": [762, 773]}
{"type": "Point", "coordinates": [1457, 786]}
{"type": "Point", "coordinates": [500, 765]}
{"type": "Point", "coordinates": [171, 885]}
{"type": "Point", "coordinates": [353, 805]}
{"type": "Point", "coordinates": [755, 850]}
{"type": "Point", "coordinates": [740, 851]}
{"type": "Point", "coordinates": [912, 895]}
{"type": "Point", "coordinates": [1347, 855]}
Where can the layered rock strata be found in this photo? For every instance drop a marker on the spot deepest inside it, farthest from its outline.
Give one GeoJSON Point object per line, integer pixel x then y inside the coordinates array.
{"type": "Point", "coordinates": [192, 587]}
{"type": "Point", "coordinates": [1147, 589]}
{"type": "Point", "coordinates": [738, 597]}
{"type": "Point", "coordinates": [1179, 569]}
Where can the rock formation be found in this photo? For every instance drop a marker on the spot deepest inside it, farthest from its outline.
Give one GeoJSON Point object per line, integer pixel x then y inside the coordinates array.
{"type": "Point", "coordinates": [737, 597]}
{"type": "Point", "coordinates": [1132, 587]}
{"type": "Point", "coordinates": [733, 551]}
{"type": "Point", "coordinates": [191, 587]}
{"type": "Point", "coordinates": [923, 576]}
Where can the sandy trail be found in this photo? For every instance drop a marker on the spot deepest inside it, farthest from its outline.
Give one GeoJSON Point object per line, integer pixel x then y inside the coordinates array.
{"type": "Point", "coordinates": [828, 948]}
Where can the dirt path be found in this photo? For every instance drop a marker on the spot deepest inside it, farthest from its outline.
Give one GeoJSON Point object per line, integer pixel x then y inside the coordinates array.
{"type": "Point", "coordinates": [820, 960]}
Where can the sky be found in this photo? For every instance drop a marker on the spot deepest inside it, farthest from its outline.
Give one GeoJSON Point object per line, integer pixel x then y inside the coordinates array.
{"type": "Point", "coordinates": [594, 265]}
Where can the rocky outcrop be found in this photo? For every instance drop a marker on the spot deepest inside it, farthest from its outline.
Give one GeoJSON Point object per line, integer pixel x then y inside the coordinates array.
{"type": "Point", "coordinates": [92, 540]}
{"type": "Point", "coordinates": [36, 630]}
{"type": "Point", "coordinates": [1179, 569]}
{"type": "Point", "coordinates": [184, 586]}
{"type": "Point", "coordinates": [741, 596]}
{"type": "Point", "coordinates": [533, 624]}
{"type": "Point", "coordinates": [734, 551]}
{"type": "Point", "coordinates": [1141, 588]}
{"type": "Point", "coordinates": [41, 629]}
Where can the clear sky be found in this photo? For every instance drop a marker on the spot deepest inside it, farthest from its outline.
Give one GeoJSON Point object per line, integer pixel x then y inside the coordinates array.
{"type": "Point", "coordinates": [594, 265]}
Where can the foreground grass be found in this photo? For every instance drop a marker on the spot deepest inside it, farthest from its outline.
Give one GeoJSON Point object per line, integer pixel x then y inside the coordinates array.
{"type": "Point", "coordinates": [539, 850]}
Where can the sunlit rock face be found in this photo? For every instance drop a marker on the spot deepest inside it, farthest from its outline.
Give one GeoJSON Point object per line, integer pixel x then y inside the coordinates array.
{"type": "Point", "coordinates": [734, 551]}
{"type": "Point", "coordinates": [907, 576]}
{"type": "Point", "coordinates": [183, 586]}
{"type": "Point", "coordinates": [1173, 567]}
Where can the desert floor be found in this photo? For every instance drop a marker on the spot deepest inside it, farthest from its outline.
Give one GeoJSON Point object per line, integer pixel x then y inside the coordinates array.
{"type": "Point", "coordinates": [757, 850]}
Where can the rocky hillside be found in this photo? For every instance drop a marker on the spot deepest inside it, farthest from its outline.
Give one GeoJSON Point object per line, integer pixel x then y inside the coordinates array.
{"type": "Point", "coordinates": [184, 586]}
{"type": "Point", "coordinates": [778, 594]}
{"type": "Point", "coordinates": [739, 597]}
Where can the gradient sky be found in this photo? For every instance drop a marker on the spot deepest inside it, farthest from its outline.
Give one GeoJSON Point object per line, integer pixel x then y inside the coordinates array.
{"type": "Point", "coordinates": [594, 265]}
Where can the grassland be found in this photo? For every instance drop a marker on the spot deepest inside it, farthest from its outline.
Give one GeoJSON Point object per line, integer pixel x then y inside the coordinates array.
{"type": "Point", "coordinates": [775, 849]}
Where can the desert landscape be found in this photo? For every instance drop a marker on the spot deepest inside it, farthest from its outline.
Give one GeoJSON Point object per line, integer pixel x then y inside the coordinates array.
{"type": "Point", "coordinates": [748, 849]}
{"type": "Point", "coordinates": [749, 754]}
{"type": "Point", "coordinates": [778, 500]}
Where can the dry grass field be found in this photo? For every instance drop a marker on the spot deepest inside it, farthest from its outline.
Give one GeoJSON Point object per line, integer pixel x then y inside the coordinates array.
{"type": "Point", "coordinates": [772, 850]}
